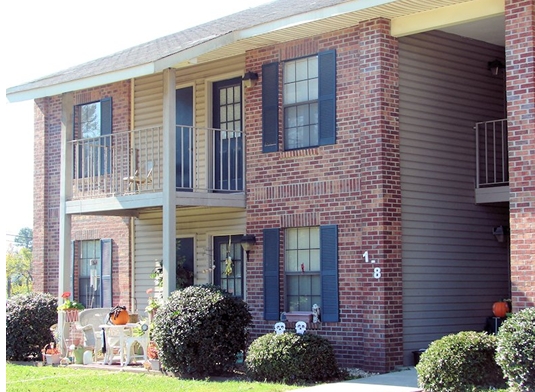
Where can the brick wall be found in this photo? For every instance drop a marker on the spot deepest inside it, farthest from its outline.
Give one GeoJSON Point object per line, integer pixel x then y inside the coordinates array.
{"type": "Point", "coordinates": [520, 68]}
{"type": "Point", "coordinates": [47, 159]}
{"type": "Point", "coordinates": [353, 184]}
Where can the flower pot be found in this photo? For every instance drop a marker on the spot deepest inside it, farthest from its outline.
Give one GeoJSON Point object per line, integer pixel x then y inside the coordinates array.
{"type": "Point", "coordinates": [155, 364]}
{"type": "Point", "coordinates": [296, 316]}
{"type": "Point", "coordinates": [71, 315]}
{"type": "Point", "coordinates": [79, 355]}
{"type": "Point", "coordinates": [52, 359]}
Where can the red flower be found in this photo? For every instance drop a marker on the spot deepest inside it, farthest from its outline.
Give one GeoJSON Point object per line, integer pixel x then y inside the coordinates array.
{"type": "Point", "coordinates": [66, 294]}
{"type": "Point", "coordinates": [149, 291]}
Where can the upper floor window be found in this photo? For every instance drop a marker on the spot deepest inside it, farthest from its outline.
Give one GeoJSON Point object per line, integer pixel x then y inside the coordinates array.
{"type": "Point", "coordinates": [300, 98]}
{"type": "Point", "coordinates": [309, 102]}
{"type": "Point", "coordinates": [93, 126]}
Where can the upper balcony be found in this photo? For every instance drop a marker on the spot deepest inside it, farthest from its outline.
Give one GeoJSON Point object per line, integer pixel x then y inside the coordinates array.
{"type": "Point", "coordinates": [123, 172]}
{"type": "Point", "coordinates": [492, 162]}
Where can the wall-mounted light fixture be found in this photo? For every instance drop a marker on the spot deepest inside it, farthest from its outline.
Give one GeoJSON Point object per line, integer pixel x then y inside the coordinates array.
{"type": "Point", "coordinates": [495, 67]}
{"type": "Point", "coordinates": [247, 242]}
{"type": "Point", "coordinates": [249, 79]}
{"type": "Point", "coordinates": [500, 232]}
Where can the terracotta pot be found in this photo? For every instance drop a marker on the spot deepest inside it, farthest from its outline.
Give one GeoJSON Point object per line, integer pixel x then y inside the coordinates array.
{"type": "Point", "coordinates": [121, 318]}
{"type": "Point", "coordinates": [71, 315]}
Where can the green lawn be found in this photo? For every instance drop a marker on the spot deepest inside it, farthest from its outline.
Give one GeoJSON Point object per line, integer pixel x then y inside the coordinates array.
{"type": "Point", "coordinates": [57, 379]}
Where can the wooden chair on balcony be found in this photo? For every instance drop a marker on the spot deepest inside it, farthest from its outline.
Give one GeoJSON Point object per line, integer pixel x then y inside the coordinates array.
{"type": "Point", "coordinates": [135, 181]}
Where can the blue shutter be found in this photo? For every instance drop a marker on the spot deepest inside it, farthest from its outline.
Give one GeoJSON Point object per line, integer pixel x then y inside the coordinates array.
{"type": "Point", "coordinates": [73, 249]}
{"type": "Point", "coordinates": [105, 130]}
{"type": "Point", "coordinates": [106, 294]}
{"type": "Point", "coordinates": [270, 107]}
{"type": "Point", "coordinates": [327, 97]}
{"type": "Point", "coordinates": [271, 274]}
{"type": "Point", "coordinates": [329, 273]}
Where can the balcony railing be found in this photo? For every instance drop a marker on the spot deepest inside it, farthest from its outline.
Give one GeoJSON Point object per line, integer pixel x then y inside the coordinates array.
{"type": "Point", "coordinates": [492, 164]}
{"type": "Point", "coordinates": [127, 163]}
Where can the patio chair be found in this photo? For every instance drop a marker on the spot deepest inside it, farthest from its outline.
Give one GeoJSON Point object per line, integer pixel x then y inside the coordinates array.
{"type": "Point", "coordinates": [89, 321]}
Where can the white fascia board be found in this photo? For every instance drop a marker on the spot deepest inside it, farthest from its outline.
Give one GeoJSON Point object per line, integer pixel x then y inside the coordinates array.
{"type": "Point", "coordinates": [80, 84]}
{"type": "Point", "coordinates": [446, 16]}
{"type": "Point", "coordinates": [190, 55]}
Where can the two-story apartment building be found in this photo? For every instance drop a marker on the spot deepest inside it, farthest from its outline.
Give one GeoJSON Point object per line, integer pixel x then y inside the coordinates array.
{"type": "Point", "coordinates": [374, 150]}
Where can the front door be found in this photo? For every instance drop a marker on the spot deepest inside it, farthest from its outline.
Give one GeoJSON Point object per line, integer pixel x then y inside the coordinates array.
{"type": "Point", "coordinates": [228, 150]}
{"type": "Point", "coordinates": [184, 139]}
{"type": "Point", "coordinates": [228, 273]}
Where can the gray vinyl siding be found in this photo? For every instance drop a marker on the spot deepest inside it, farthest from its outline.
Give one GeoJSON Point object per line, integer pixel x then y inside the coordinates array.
{"type": "Point", "coordinates": [199, 223]}
{"type": "Point", "coordinates": [453, 268]}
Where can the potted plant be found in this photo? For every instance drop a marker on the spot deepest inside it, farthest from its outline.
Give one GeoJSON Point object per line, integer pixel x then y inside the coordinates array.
{"type": "Point", "coordinates": [152, 354]}
{"type": "Point", "coordinates": [51, 354]}
{"type": "Point", "coordinates": [70, 307]}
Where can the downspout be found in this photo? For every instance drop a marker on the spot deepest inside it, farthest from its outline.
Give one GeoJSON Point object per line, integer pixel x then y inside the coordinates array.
{"type": "Point", "coordinates": [133, 266]}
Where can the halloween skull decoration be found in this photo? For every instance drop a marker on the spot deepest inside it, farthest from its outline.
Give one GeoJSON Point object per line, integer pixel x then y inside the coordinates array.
{"type": "Point", "coordinates": [300, 327]}
{"type": "Point", "coordinates": [280, 328]}
{"type": "Point", "coordinates": [316, 313]}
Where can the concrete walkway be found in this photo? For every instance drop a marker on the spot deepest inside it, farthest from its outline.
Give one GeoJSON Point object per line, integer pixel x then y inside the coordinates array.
{"type": "Point", "coordinates": [405, 380]}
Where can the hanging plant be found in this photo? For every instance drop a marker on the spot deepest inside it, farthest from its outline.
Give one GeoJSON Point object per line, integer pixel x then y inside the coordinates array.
{"type": "Point", "coordinates": [228, 260]}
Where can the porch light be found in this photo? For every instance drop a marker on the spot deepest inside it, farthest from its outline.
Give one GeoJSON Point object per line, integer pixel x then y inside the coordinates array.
{"type": "Point", "coordinates": [247, 242]}
{"type": "Point", "coordinates": [249, 79]}
{"type": "Point", "coordinates": [495, 66]}
{"type": "Point", "coordinates": [500, 232]}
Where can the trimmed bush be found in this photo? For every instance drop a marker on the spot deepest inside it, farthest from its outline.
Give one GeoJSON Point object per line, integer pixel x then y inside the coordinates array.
{"type": "Point", "coordinates": [516, 350]}
{"type": "Point", "coordinates": [460, 362]}
{"type": "Point", "coordinates": [28, 321]}
{"type": "Point", "coordinates": [200, 330]}
{"type": "Point", "coordinates": [291, 359]}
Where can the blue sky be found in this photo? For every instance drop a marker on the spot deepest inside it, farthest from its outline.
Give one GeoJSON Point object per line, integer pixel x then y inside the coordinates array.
{"type": "Point", "coordinates": [40, 37]}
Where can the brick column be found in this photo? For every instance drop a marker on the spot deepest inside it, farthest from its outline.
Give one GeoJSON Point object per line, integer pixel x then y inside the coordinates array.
{"type": "Point", "coordinates": [520, 56]}
{"type": "Point", "coordinates": [380, 195]}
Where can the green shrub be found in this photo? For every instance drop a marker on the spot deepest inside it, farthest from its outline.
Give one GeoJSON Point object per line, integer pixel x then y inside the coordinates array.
{"type": "Point", "coordinates": [28, 321]}
{"type": "Point", "coordinates": [200, 330]}
{"type": "Point", "coordinates": [292, 359]}
{"type": "Point", "coordinates": [516, 350]}
{"type": "Point", "coordinates": [460, 362]}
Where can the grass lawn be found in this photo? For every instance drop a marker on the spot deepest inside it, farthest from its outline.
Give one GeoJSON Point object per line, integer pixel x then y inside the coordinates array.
{"type": "Point", "coordinates": [48, 378]}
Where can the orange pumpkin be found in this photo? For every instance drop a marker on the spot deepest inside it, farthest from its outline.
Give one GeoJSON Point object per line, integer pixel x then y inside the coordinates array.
{"type": "Point", "coordinates": [119, 318]}
{"type": "Point", "coordinates": [500, 309]}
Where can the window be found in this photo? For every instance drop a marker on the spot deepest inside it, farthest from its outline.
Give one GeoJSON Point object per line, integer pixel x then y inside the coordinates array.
{"type": "Point", "coordinates": [300, 98]}
{"type": "Point", "coordinates": [94, 273]}
{"type": "Point", "coordinates": [310, 271]}
{"type": "Point", "coordinates": [309, 102]}
{"type": "Point", "coordinates": [302, 268]}
{"type": "Point", "coordinates": [92, 124]}
{"type": "Point", "coordinates": [228, 273]}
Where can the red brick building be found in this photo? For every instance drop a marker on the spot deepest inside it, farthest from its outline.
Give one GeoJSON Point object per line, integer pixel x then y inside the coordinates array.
{"type": "Point", "coordinates": [374, 152]}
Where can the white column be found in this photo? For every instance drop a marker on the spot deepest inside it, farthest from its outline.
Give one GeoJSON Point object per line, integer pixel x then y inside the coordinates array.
{"type": "Point", "coordinates": [65, 194]}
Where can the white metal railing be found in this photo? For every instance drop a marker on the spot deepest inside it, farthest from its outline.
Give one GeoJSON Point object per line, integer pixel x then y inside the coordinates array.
{"type": "Point", "coordinates": [131, 162]}
{"type": "Point", "coordinates": [492, 164]}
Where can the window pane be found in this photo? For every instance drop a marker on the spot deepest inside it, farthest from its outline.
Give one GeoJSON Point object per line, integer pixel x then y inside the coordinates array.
{"type": "Point", "coordinates": [302, 115]}
{"type": "Point", "coordinates": [301, 91]}
{"type": "Point", "coordinates": [304, 260]}
{"type": "Point", "coordinates": [291, 260]}
{"type": "Point", "coordinates": [90, 120]}
{"type": "Point", "coordinates": [290, 117]}
{"type": "Point", "coordinates": [222, 97]}
{"type": "Point", "coordinates": [303, 240]}
{"type": "Point", "coordinates": [289, 72]}
{"type": "Point", "coordinates": [293, 285]}
{"type": "Point", "coordinates": [313, 67]}
{"type": "Point", "coordinates": [315, 285]}
{"type": "Point", "coordinates": [289, 94]}
{"type": "Point", "coordinates": [314, 260]}
{"type": "Point", "coordinates": [313, 89]}
{"type": "Point", "coordinates": [237, 111]}
{"type": "Point", "coordinates": [236, 94]}
{"type": "Point", "coordinates": [301, 69]}
{"type": "Point", "coordinates": [314, 237]}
